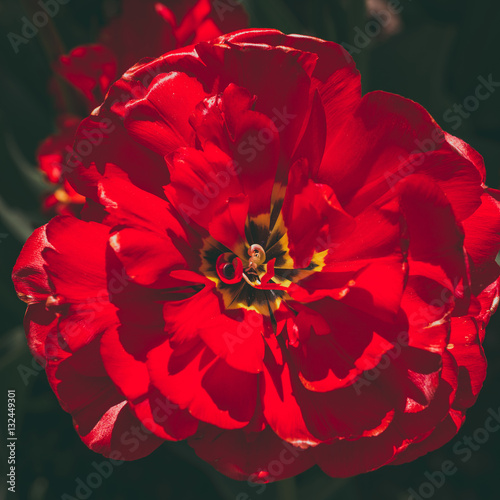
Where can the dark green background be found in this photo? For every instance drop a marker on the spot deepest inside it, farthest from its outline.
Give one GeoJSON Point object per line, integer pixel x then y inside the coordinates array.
{"type": "Point", "coordinates": [444, 46]}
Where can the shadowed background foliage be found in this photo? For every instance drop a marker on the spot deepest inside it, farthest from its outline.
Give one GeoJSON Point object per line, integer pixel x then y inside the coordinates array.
{"type": "Point", "coordinates": [431, 51]}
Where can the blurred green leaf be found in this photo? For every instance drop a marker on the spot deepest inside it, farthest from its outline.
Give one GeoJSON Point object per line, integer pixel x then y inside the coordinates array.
{"type": "Point", "coordinates": [30, 172]}
{"type": "Point", "coordinates": [16, 221]}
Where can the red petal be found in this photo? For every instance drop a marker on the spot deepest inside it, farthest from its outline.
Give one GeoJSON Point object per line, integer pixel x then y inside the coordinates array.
{"type": "Point", "coordinates": [307, 208]}
{"type": "Point", "coordinates": [53, 150]}
{"type": "Point", "coordinates": [257, 457]}
{"type": "Point", "coordinates": [234, 335]}
{"type": "Point", "coordinates": [441, 434]}
{"type": "Point", "coordinates": [129, 373]}
{"type": "Point", "coordinates": [334, 73]}
{"type": "Point", "coordinates": [378, 288]}
{"type": "Point", "coordinates": [140, 31]}
{"type": "Point", "coordinates": [468, 152]}
{"type": "Point", "coordinates": [435, 237]}
{"type": "Point", "coordinates": [146, 126]}
{"type": "Point", "coordinates": [313, 142]}
{"type": "Point", "coordinates": [113, 435]}
{"type": "Point", "coordinates": [164, 418]}
{"type": "Point", "coordinates": [372, 286]}
{"type": "Point", "coordinates": [148, 257]}
{"type": "Point", "coordinates": [329, 361]}
{"type": "Point", "coordinates": [29, 275]}
{"type": "Point", "coordinates": [228, 18]}
{"type": "Point", "coordinates": [39, 323]}
{"type": "Point", "coordinates": [429, 396]}
{"type": "Point", "coordinates": [279, 400]}
{"type": "Point", "coordinates": [338, 82]}
{"type": "Point", "coordinates": [482, 229]}
{"type": "Point", "coordinates": [289, 70]}
{"type": "Point", "coordinates": [201, 20]}
{"type": "Point", "coordinates": [204, 188]}
{"type": "Point", "coordinates": [103, 149]}
{"type": "Point", "coordinates": [100, 414]}
{"type": "Point", "coordinates": [345, 458]}
{"type": "Point", "coordinates": [76, 261]}
{"type": "Point", "coordinates": [82, 322]}
{"type": "Point", "coordinates": [389, 139]}
{"type": "Point", "coordinates": [91, 69]}
{"type": "Point", "coordinates": [129, 206]}
{"type": "Point", "coordinates": [380, 226]}
{"type": "Point", "coordinates": [207, 386]}
{"type": "Point", "coordinates": [250, 138]}
{"type": "Point", "coordinates": [314, 417]}
{"type": "Point", "coordinates": [427, 302]}
{"type": "Point", "coordinates": [228, 224]}
{"type": "Point", "coordinates": [465, 347]}
{"type": "Point", "coordinates": [160, 120]}
{"type": "Point", "coordinates": [255, 145]}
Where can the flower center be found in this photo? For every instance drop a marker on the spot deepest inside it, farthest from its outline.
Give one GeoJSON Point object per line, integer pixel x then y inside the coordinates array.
{"type": "Point", "coordinates": [255, 275]}
{"type": "Point", "coordinates": [230, 269]}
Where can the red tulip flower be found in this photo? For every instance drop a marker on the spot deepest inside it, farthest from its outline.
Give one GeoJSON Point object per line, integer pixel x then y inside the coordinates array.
{"type": "Point", "coordinates": [268, 264]}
